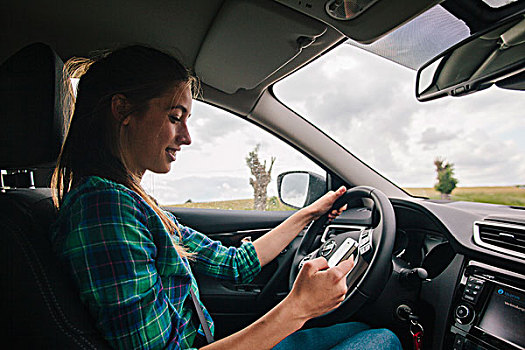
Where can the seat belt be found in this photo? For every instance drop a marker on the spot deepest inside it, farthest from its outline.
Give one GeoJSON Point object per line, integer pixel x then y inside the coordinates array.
{"type": "Point", "coordinates": [202, 319]}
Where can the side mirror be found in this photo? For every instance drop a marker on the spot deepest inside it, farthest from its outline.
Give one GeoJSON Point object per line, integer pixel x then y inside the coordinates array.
{"type": "Point", "coordinates": [297, 189]}
{"type": "Point", "coordinates": [496, 55]}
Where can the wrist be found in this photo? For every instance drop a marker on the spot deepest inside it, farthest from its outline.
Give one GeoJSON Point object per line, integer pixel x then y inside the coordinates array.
{"type": "Point", "coordinates": [308, 214]}
{"type": "Point", "coordinates": [293, 310]}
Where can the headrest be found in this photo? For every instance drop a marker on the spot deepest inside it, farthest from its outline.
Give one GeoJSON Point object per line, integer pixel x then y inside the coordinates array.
{"type": "Point", "coordinates": [31, 97]}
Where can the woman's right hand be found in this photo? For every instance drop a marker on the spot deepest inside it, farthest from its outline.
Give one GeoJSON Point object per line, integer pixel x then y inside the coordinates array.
{"type": "Point", "coordinates": [318, 288]}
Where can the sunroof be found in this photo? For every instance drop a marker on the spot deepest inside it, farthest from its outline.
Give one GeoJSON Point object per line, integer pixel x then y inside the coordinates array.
{"type": "Point", "coordinates": [498, 3]}
{"type": "Point", "coordinates": [421, 39]}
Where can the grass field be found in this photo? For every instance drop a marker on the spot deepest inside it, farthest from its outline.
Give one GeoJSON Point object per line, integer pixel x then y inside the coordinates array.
{"type": "Point", "coordinates": [508, 195]}
{"type": "Point", "coordinates": [273, 203]}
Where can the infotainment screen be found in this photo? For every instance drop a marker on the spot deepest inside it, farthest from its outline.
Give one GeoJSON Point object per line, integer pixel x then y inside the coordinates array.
{"type": "Point", "coordinates": [504, 316]}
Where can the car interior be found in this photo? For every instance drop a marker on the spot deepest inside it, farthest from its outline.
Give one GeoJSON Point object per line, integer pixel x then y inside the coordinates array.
{"type": "Point", "coordinates": [453, 270]}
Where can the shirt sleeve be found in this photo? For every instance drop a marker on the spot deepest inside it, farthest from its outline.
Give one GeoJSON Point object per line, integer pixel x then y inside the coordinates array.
{"type": "Point", "coordinates": [112, 256]}
{"type": "Point", "coordinates": [213, 259]}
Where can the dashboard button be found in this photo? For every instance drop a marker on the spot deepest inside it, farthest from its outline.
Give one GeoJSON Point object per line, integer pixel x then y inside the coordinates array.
{"type": "Point", "coordinates": [469, 297]}
{"type": "Point", "coordinates": [475, 281]}
{"type": "Point", "coordinates": [459, 341]}
{"type": "Point", "coordinates": [462, 311]}
{"type": "Point", "coordinates": [464, 314]}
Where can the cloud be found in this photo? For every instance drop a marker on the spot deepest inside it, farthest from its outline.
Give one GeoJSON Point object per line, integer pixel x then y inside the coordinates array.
{"type": "Point", "coordinates": [209, 124]}
{"type": "Point", "coordinates": [485, 159]}
{"type": "Point", "coordinates": [340, 95]}
{"type": "Point", "coordinates": [368, 105]}
{"type": "Point", "coordinates": [168, 190]}
{"type": "Point", "coordinates": [431, 137]}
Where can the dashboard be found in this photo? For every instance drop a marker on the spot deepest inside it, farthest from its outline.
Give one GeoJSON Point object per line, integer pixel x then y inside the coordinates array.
{"type": "Point", "coordinates": [434, 236]}
{"type": "Point", "coordinates": [473, 296]}
{"type": "Point", "coordinates": [489, 309]}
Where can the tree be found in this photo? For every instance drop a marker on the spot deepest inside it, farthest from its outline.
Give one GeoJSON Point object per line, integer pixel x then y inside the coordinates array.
{"type": "Point", "coordinates": [445, 176]}
{"type": "Point", "coordinates": [261, 178]}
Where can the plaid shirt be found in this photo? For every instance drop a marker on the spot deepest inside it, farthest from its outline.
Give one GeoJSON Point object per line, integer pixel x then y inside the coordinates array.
{"type": "Point", "coordinates": [127, 270]}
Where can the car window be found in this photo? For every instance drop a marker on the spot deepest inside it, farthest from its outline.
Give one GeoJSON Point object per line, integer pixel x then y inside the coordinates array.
{"type": "Point", "coordinates": [213, 172]}
{"type": "Point", "coordinates": [368, 105]}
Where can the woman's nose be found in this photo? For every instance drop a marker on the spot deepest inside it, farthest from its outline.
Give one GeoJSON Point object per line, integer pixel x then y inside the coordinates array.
{"type": "Point", "coordinates": [183, 135]}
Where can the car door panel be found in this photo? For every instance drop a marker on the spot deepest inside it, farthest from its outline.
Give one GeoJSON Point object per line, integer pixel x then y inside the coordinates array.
{"type": "Point", "coordinates": [224, 222]}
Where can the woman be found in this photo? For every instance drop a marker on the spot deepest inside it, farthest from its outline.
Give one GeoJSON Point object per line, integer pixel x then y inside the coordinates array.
{"type": "Point", "coordinates": [130, 259]}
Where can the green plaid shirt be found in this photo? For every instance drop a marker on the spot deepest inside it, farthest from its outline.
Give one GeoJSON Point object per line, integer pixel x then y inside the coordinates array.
{"type": "Point", "coordinates": [127, 270]}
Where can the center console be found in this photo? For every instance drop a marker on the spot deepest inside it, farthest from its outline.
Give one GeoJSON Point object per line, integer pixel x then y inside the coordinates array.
{"type": "Point", "coordinates": [488, 310]}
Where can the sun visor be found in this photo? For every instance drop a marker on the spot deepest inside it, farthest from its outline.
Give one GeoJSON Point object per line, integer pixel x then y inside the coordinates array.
{"type": "Point", "coordinates": [245, 32]}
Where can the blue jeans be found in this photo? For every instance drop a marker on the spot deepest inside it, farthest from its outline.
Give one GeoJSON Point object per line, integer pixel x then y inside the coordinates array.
{"type": "Point", "coordinates": [352, 335]}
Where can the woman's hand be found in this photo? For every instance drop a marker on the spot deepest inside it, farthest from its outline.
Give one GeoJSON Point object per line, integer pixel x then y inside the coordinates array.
{"type": "Point", "coordinates": [272, 243]}
{"type": "Point", "coordinates": [323, 204]}
{"type": "Point", "coordinates": [319, 289]}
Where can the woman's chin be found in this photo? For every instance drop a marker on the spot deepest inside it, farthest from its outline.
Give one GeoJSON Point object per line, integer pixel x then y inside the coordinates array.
{"type": "Point", "coordinates": [162, 169]}
{"type": "Point", "coordinates": [166, 170]}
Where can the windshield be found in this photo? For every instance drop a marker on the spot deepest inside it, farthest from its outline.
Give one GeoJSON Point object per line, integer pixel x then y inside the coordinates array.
{"type": "Point", "coordinates": [367, 104]}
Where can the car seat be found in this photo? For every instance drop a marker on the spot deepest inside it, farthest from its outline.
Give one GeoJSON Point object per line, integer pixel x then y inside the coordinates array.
{"type": "Point", "coordinates": [39, 300]}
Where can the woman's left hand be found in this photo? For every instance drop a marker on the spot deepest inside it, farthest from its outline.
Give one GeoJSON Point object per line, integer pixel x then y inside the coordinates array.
{"type": "Point", "coordinates": [271, 244]}
{"type": "Point", "coordinates": [325, 203]}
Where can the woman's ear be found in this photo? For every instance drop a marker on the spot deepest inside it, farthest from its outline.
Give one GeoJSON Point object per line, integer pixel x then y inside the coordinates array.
{"type": "Point", "coordinates": [120, 108]}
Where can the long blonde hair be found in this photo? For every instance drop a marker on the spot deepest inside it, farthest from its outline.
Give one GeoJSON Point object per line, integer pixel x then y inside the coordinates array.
{"type": "Point", "coordinates": [92, 146]}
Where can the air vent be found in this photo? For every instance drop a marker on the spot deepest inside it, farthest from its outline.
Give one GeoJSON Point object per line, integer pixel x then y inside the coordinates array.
{"type": "Point", "coordinates": [505, 238]}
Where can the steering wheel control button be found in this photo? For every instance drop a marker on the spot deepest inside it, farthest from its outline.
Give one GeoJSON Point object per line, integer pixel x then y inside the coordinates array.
{"type": "Point", "coordinates": [327, 248]}
{"type": "Point", "coordinates": [342, 252]}
{"type": "Point", "coordinates": [364, 248]}
{"type": "Point", "coordinates": [301, 264]}
{"type": "Point", "coordinates": [306, 258]}
{"type": "Point", "coordinates": [365, 234]}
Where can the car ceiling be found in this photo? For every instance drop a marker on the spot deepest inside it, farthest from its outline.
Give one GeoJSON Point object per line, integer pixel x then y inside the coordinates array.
{"type": "Point", "coordinates": [237, 47]}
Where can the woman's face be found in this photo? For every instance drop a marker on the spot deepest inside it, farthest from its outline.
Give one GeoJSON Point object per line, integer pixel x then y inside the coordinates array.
{"type": "Point", "coordinates": [151, 139]}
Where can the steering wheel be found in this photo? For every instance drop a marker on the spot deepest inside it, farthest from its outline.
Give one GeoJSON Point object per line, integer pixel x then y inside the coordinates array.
{"type": "Point", "coordinates": [371, 250]}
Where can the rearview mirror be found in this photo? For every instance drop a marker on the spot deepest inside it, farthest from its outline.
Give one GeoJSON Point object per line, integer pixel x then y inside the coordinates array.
{"type": "Point", "coordinates": [298, 189]}
{"type": "Point", "coordinates": [496, 55]}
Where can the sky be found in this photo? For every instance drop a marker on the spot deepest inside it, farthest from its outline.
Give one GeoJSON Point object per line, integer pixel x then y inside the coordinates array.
{"type": "Point", "coordinates": [367, 104]}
